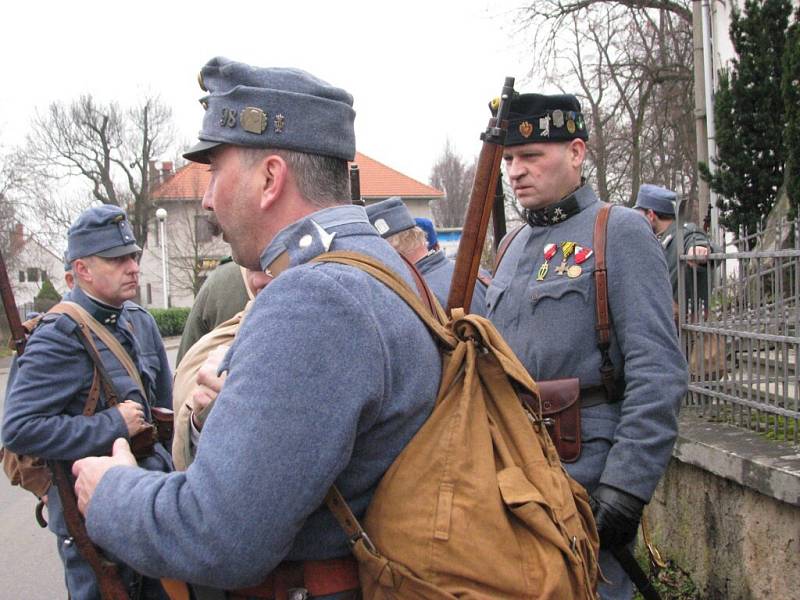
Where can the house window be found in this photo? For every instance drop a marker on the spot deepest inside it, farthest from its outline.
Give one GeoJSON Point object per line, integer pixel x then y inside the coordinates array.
{"type": "Point", "coordinates": [33, 274]}
{"type": "Point", "coordinates": [149, 294]}
{"type": "Point", "coordinates": [204, 229]}
{"type": "Point", "coordinates": [22, 276]}
{"type": "Point", "coordinates": [43, 273]}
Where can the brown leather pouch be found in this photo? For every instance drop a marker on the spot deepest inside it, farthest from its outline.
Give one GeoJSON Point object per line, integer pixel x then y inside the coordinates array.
{"type": "Point", "coordinates": [561, 413]}
{"type": "Point", "coordinates": [142, 443]}
{"type": "Point", "coordinates": [164, 420]}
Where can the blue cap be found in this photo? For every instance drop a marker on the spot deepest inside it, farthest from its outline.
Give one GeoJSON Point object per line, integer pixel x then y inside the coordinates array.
{"type": "Point", "coordinates": [656, 198]}
{"type": "Point", "coordinates": [390, 216]}
{"type": "Point", "coordinates": [101, 231]}
{"type": "Point", "coordinates": [273, 108]}
{"type": "Point", "coordinates": [542, 118]}
{"type": "Point", "coordinates": [430, 231]}
{"type": "Point", "coordinates": [67, 262]}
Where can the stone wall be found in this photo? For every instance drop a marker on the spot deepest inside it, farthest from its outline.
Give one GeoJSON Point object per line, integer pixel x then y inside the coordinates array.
{"type": "Point", "coordinates": [728, 512]}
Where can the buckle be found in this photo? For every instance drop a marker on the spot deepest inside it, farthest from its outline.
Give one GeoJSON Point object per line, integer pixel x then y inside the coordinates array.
{"type": "Point", "coordinates": [297, 594]}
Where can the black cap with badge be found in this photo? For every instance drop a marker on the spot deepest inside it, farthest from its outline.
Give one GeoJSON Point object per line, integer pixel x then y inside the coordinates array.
{"type": "Point", "coordinates": [543, 118]}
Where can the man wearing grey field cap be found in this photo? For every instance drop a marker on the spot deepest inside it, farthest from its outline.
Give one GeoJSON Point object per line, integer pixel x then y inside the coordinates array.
{"type": "Point", "coordinates": [657, 204]}
{"type": "Point", "coordinates": [45, 410]}
{"type": "Point", "coordinates": [394, 222]}
{"type": "Point", "coordinates": [329, 377]}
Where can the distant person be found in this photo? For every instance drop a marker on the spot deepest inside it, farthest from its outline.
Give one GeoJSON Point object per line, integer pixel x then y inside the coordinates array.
{"type": "Point", "coordinates": [394, 222]}
{"type": "Point", "coordinates": [657, 204]}
{"type": "Point", "coordinates": [221, 296]}
{"type": "Point", "coordinates": [430, 233]}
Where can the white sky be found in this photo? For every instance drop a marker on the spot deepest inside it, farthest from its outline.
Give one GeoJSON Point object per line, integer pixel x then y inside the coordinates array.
{"type": "Point", "coordinates": [420, 71]}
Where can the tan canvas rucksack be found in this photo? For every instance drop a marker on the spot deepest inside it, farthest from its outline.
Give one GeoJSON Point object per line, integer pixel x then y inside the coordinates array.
{"type": "Point", "coordinates": [478, 504]}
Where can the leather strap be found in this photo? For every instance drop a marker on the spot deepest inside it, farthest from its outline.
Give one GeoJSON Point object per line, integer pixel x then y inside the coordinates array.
{"type": "Point", "coordinates": [318, 577]}
{"type": "Point", "coordinates": [607, 371]}
{"type": "Point", "coordinates": [504, 244]}
{"type": "Point", "coordinates": [425, 293]}
{"type": "Point", "coordinates": [82, 317]}
{"type": "Point", "coordinates": [600, 274]}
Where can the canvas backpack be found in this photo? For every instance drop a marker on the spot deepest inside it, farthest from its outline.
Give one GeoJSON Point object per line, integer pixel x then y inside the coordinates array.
{"type": "Point", "coordinates": [478, 504]}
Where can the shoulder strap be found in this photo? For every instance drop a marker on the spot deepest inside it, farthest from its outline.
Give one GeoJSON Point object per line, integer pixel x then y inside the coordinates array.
{"type": "Point", "coordinates": [393, 281]}
{"type": "Point", "coordinates": [84, 320]}
{"type": "Point", "coordinates": [607, 374]}
{"type": "Point", "coordinates": [504, 244]}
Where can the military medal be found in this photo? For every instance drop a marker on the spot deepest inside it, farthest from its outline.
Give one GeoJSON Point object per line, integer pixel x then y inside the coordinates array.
{"type": "Point", "coordinates": [581, 254]}
{"type": "Point", "coordinates": [549, 252]}
{"type": "Point", "coordinates": [567, 249]}
{"type": "Point", "coordinates": [574, 271]}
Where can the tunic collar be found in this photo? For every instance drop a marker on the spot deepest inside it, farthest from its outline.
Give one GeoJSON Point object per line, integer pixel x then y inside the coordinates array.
{"type": "Point", "coordinates": [432, 260]}
{"type": "Point", "coordinates": [102, 312]}
{"type": "Point", "coordinates": [567, 207]}
{"type": "Point", "coordinates": [309, 237]}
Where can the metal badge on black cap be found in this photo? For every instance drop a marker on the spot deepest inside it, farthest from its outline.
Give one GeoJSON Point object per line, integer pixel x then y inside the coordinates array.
{"type": "Point", "coordinates": [558, 118]}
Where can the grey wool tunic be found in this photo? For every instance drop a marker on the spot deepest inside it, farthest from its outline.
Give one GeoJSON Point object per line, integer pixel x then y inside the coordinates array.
{"type": "Point", "coordinates": [550, 325]}
{"type": "Point", "coordinates": [329, 378]}
{"type": "Point", "coordinates": [437, 270]}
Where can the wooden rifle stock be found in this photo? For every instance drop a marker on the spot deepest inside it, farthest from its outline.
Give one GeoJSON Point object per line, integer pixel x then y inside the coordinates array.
{"type": "Point", "coordinates": [108, 579]}
{"type": "Point", "coordinates": [487, 176]}
{"type": "Point", "coordinates": [355, 186]}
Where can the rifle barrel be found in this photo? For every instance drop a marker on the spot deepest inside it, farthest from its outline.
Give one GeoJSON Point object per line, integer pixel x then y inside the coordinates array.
{"type": "Point", "coordinates": [10, 307]}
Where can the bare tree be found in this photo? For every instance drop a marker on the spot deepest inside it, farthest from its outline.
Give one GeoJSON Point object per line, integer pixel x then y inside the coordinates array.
{"type": "Point", "coordinates": [191, 242]}
{"type": "Point", "coordinates": [630, 62]}
{"type": "Point", "coordinates": [111, 148]}
{"type": "Point", "coordinates": [451, 175]}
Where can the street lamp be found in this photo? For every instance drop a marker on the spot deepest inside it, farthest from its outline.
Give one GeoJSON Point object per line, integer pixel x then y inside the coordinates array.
{"type": "Point", "coordinates": [161, 215]}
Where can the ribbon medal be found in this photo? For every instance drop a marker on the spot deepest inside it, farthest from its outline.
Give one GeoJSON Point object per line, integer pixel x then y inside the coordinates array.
{"type": "Point", "coordinates": [567, 248]}
{"type": "Point", "coordinates": [581, 255]}
{"type": "Point", "coordinates": [549, 252]}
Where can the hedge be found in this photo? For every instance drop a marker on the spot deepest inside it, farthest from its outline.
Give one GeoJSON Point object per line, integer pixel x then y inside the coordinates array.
{"type": "Point", "coordinates": [170, 321]}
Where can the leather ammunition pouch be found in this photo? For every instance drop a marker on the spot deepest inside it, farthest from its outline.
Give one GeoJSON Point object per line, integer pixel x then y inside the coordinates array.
{"type": "Point", "coordinates": [561, 413]}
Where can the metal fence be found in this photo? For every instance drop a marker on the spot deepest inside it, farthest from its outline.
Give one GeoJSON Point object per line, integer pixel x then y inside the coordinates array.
{"type": "Point", "coordinates": [738, 323]}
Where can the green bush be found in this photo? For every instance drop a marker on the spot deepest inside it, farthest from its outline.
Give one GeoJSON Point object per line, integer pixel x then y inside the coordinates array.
{"type": "Point", "coordinates": [47, 297]}
{"type": "Point", "coordinates": [170, 321]}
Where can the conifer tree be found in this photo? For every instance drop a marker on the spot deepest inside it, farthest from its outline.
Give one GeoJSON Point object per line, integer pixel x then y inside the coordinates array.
{"type": "Point", "coordinates": [750, 115]}
{"type": "Point", "coordinates": [791, 101]}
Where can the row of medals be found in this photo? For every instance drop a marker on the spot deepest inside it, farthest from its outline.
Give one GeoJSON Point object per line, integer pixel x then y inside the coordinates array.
{"type": "Point", "coordinates": [567, 249]}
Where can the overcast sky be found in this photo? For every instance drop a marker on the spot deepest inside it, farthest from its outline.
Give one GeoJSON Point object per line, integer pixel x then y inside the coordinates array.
{"type": "Point", "coordinates": [420, 71]}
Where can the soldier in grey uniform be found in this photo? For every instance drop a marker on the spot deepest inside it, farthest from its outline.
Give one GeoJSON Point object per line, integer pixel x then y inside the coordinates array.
{"type": "Point", "coordinates": [542, 300]}
{"type": "Point", "coordinates": [394, 222]}
{"type": "Point", "coordinates": [657, 204]}
{"type": "Point", "coordinates": [329, 377]}
{"type": "Point", "coordinates": [47, 393]}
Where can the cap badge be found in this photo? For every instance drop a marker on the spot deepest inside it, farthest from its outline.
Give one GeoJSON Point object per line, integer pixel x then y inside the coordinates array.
{"type": "Point", "coordinates": [382, 226]}
{"type": "Point", "coordinates": [544, 126]}
{"type": "Point", "coordinates": [253, 120]}
{"type": "Point", "coordinates": [201, 82]}
{"type": "Point", "coordinates": [571, 126]}
{"type": "Point", "coordinates": [526, 129]}
{"type": "Point", "coordinates": [228, 118]}
{"type": "Point", "coordinates": [118, 218]}
{"type": "Point", "coordinates": [558, 118]}
{"type": "Point", "coordinates": [280, 121]}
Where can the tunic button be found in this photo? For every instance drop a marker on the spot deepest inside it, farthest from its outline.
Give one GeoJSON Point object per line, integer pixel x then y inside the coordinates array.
{"type": "Point", "coordinates": [305, 241]}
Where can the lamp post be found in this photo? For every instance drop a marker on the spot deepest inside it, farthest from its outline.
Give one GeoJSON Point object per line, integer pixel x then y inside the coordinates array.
{"type": "Point", "coordinates": [161, 215]}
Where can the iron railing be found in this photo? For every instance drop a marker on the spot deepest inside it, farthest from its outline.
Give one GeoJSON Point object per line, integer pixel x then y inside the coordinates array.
{"type": "Point", "coordinates": [742, 343]}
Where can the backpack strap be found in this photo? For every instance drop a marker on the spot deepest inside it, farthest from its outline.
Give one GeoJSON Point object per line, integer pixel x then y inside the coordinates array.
{"type": "Point", "coordinates": [393, 281]}
{"type": "Point", "coordinates": [504, 244]}
{"type": "Point", "coordinates": [601, 296]}
{"type": "Point", "coordinates": [87, 323]}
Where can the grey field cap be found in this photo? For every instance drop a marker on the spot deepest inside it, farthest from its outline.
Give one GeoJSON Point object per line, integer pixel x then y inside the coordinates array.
{"type": "Point", "coordinates": [101, 231]}
{"type": "Point", "coordinates": [390, 216]}
{"type": "Point", "coordinates": [656, 198]}
{"type": "Point", "coordinates": [273, 108]}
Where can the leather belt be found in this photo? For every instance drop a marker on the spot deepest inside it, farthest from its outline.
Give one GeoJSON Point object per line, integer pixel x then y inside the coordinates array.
{"type": "Point", "coordinates": [319, 577]}
{"type": "Point", "coordinates": [594, 395]}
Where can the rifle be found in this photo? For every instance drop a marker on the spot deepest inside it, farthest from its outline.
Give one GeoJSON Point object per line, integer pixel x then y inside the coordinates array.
{"type": "Point", "coordinates": [355, 186]}
{"type": "Point", "coordinates": [484, 188]}
{"type": "Point", "coordinates": [108, 579]}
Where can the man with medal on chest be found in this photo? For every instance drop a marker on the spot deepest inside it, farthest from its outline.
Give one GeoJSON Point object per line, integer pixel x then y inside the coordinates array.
{"type": "Point", "coordinates": [543, 299]}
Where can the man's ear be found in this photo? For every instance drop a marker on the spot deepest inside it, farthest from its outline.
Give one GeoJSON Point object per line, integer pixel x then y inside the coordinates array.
{"type": "Point", "coordinates": [577, 152]}
{"type": "Point", "coordinates": [81, 268]}
{"type": "Point", "coordinates": [274, 173]}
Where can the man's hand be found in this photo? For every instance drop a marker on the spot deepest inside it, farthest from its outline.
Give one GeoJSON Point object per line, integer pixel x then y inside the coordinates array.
{"type": "Point", "coordinates": [700, 253]}
{"type": "Point", "coordinates": [617, 515]}
{"type": "Point", "coordinates": [209, 385]}
{"type": "Point", "coordinates": [89, 471]}
{"type": "Point", "coordinates": [133, 414]}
